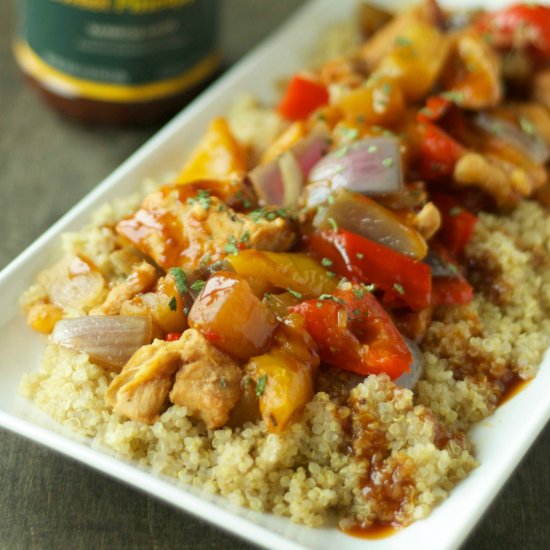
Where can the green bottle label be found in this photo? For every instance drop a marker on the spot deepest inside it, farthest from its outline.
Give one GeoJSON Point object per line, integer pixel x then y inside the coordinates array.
{"type": "Point", "coordinates": [121, 42]}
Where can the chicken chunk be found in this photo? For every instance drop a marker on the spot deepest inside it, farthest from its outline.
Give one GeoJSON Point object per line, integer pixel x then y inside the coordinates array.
{"type": "Point", "coordinates": [140, 391]}
{"type": "Point", "coordinates": [505, 182]}
{"type": "Point", "coordinates": [142, 278]}
{"type": "Point", "coordinates": [208, 382]}
{"type": "Point", "coordinates": [190, 232]}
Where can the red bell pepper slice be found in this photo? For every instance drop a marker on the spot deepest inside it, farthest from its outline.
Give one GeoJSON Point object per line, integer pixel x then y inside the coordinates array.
{"type": "Point", "coordinates": [173, 336]}
{"type": "Point", "coordinates": [457, 224]}
{"type": "Point", "coordinates": [435, 109]}
{"type": "Point", "coordinates": [438, 152]}
{"type": "Point", "coordinates": [354, 332]}
{"type": "Point", "coordinates": [451, 290]}
{"type": "Point", "coordinates": [302, 97]}
{"type": "Point", "coordinates": [360, 259]}
{"type": "Point", "coordinates": [518, 26]}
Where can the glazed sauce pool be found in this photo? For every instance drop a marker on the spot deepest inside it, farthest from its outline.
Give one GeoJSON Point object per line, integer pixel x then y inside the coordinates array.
{"type": "Point", "coordinates": [372, 532]}
{"type": "Point", "coordinates": [512, 388]}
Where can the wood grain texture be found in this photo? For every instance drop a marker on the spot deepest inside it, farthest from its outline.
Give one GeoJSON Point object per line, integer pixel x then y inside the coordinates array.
{"type": "Point", "coordinates": [48, 501]}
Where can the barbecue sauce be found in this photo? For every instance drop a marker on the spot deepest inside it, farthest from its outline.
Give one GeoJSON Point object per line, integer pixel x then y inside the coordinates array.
{"type": "Point", "coordinates": [117, 61]}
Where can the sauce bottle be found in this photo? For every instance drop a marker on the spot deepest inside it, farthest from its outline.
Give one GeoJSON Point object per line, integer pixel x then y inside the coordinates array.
{"type": "Point", "coordinates": [117, 61]}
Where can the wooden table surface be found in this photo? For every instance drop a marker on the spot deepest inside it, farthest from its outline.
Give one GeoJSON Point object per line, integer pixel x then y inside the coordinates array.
{"type": "Point", "coordinates": [48, 501]}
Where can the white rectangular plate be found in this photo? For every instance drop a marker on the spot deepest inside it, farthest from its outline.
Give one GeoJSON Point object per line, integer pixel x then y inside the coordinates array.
{"type": "Point", "coordinates": [20, 349]}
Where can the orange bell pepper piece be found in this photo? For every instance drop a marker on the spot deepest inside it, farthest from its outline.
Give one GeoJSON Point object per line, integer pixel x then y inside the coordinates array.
{"type": "Point", "coordinates": [218, 155]}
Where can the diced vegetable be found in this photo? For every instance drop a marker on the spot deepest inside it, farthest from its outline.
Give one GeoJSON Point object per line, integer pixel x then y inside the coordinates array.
{"type": "Point", "coordinates": [451, 290]}
{"type": "Point", "coordinates": [284, 375]}
{"type": "Point", "coordinates": [519, 26]}
{"type": "Point", "coordinates": [473, 74]}
{"type": "Point", "coordinates": [302, 97]}
{"type": "Point", "coordinates": [290, 137]}
{"type": "Point", "coordinates": [378, 101]}
{"type": "Point", "coordinates": [363, 260]}
{"type": "Point", "coordinates": [522, 135]}
{"type": "Point", "coordinates": [109, 341]}
{"type": "Point", "coordinates": [43, 317]}
{"type": "Point", "coordinates": [458, 224]}
{"type": "Point", "coordinates": [438, 152]}
{"type": "Point", "coordinates": [363, 216]}
{"type": "Point", "coordinates": [297, 272]}
{"type": "Point", "coordinates": [74, 284]}
{"type": "Point", "coordinates": [217, 156]}
{"type": "Point", "coordinates": [371, 166]}
{"type": "Point", "coordinates": [409, 379]}
{"type": "Point", "coordinates": [229, 314]}
{"type": "Point", "coordinates": [416, 59]}
{"type": "Point", "coordinates": [280, 181]}
{"type": "Point", "coordinates": [354, 333]}
{"type": "Point", "coordinates": [166, 305]}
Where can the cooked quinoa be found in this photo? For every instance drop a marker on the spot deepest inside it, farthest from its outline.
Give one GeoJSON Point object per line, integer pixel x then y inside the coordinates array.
{"type": "Point", "coordinates": [305, 472]}
{"type": "Point", "coordinates": [380, 453]}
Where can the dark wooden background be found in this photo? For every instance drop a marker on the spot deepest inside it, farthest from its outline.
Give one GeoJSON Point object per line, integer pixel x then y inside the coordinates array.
{"type": "Point", "coordinates": [48, 501]}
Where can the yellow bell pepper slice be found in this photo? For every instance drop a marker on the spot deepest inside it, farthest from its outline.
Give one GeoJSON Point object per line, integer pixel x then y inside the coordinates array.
{"type": "Point", "coordinates": [298, 273]}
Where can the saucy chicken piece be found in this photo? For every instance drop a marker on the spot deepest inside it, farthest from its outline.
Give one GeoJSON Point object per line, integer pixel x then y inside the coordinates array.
{"type": "Point", "coordinates": [177, 230]}
{"type": "Point", "coordinates": [208, 382]}
{"type": "Point", "coordinates": [141, 279]}
{"type": "Point", "coordinates": [506, 182]}
{"type": "Point", "coordinates": [140, 391]}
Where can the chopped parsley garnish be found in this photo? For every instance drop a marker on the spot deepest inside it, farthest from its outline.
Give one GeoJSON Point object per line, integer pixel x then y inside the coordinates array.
{"type": "Point", "coordinates": [369, 288]}
{"type": "Point", "coordinates": [342, 152]}
{"type": "Point", "coordinates": [295, 293]}
{"type": "Point", "coordinates": [319, 304]}
{"type": "Point", "coordinates": [455, 97]}
{"type": "Point", "coordinates": [349, 133]}
{"type": "Point", "coordinates": [402, 41]}
{"type": "Point", "coordinates": [181, 280]}
{"type": "Point", "coordinates": [205, 260]}
{"type": "Point", "coordinates": [359, 255]}
{"type": "Point", "coordinates": [359, 292]}
{"type": "Point", "coordinates": [260, 385]}
{"type": "Point", "coordinates": [173, 304]}
{"type": "Point", "coordinates": [230, 247]}
{"type": "Point", "coordinates": [198, 285]}
{"type": "Point", "coordinates": [455, 211]}
{"type": "Point", "coordinates": [327, 262]}
{"type": "Point", "coordinates": [261, 213]}
{"type": "Point", "coordinates": [223, 383]}
{"type": "Point", "coordinates": [245, 238]}
{"type": "Point", "coordinates": [452, 267]}
{"type": "Point", "coordinates": [331, 297]}
{"type": "Point", "coordinates": [387, 162]}
{"type": "Point", "coordinates": [526, 125]}
{"type": "Point", "coordinates": [399, 288]}
{"type": "Point", "coordinates": [387, 88]}
{"type": "Point", "coordinates": [333, 224]}
{"type": "Point", "coordinates": [202, 197]}
{"type": "Point", "coordinates": [356, 312]}
{"type": "Point", "coordinates": [331, 274]}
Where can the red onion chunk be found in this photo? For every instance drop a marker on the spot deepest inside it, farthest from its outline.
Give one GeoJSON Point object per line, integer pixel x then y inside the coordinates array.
{"type": "Point", "coordinates": [371, 166]}
{"type": "Point", "coordinates": [525, 138]}
{"type": "Point", "coordinates": [109, 340]}
{"type": "Point", "coordinates": [410, 379]}
{"type": "Point", "coordinates": [280, 181]}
